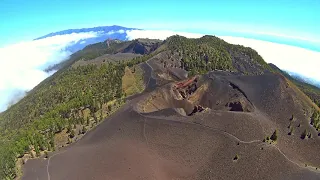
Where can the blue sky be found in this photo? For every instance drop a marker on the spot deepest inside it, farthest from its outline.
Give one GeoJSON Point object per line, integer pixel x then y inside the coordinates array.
{"type": "Point", "coordinates": [298, 19]}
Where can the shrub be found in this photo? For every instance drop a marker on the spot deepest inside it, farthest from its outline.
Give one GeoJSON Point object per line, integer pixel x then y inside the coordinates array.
{"type": "Point", "coordinates": [292, 118]}
{"type": "Point", "coordinates": [291, 130]}
{"type": "Point", "coordinates": [267, 138]}
{"type": "Point", "coordinates": [309, 135]}
{"type": "Point", "coordinates": [236, 157]}
{"type": "Point", "coordinates": [46, 154]}
{"type": "Point", "coordinates": [304, 134]}
{"type": "Point", "coordinates": [290, 124]}
{"type": "Point", "coordinates": [274, 136]}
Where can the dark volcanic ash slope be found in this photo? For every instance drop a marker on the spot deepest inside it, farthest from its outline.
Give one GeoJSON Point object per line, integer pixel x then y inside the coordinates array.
{"type": "Point", "coordinates": [208, 127]}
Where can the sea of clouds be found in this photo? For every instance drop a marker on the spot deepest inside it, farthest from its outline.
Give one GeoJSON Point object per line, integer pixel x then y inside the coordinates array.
{"type": "Point", "coordinates": [22, 65]}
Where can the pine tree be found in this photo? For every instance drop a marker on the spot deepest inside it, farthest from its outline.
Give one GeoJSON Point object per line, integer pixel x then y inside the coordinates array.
{"type": "Point", "coordinates": [46, 154]}
{"type": "Point", "coordinates": [291, 119]}
{"type": "Point", "coordinates": [291, 130]}
{"type": "Point", "coordinates": [309, 135]}
{"type": "Point", "coordinates": [274, 136]}
{"type": "Point", "coordinates": [32, 154]}
{"type": "Point", "coordinates": [72, 134]}
{"type": "Point", "coordinates": [88, 121]}
{"type": "Point", "coordinates": [101, 114]}
{"type": "Point", "coordinates": [52, 144]}
{"type": "Point", "coordinates": [59, 127]}
{"type": "Point", "coordinates": [69, 128]}
{"type": "Point", "coordinates": [236, 157]}
{"type": "Point", "coordinates": [36, 148]}
{"type": "Point", "coordinates": [49, 148]}
{"type": "Point", "coordinates": [84, 130]}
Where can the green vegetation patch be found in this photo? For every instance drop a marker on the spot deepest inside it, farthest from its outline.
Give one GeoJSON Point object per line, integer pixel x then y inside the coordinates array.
{"type": "Point", "coordinates": [132, 81]}
{"type": "Point", "coordinates": [315, 120]}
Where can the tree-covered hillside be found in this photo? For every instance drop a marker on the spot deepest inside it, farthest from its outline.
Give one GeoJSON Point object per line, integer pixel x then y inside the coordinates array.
{"type": "Point", "coordinates": [30, 126]}
{"type": "Point", "coordinates": [32, 123]}
{"type": "Point", "coordinates": [212, 53]}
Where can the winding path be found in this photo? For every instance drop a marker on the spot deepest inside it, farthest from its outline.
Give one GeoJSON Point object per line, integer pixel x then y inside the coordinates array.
{"type": "Point", "coordinates": [48, 164]}
{"type": "Point", "coordinates": [234, 137]}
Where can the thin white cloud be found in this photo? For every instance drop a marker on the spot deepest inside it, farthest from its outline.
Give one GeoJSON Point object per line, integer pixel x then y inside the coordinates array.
{"type": "Point", "coordinates": [110, 32]}
{"type": "Point", "coordinates": [22, 65]}
{"type": "Point", "coordinates": [302, 61]}
{"type": "Point", "coordinates": [121, 31]}
{"type": "Point", "coordinates": [158, 34]}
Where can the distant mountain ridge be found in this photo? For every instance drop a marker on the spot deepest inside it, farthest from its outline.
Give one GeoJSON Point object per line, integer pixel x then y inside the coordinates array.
{"type": "Point", "coordinates": [103, 33]}
{"type": "Point", "coordinates": [104, 29]}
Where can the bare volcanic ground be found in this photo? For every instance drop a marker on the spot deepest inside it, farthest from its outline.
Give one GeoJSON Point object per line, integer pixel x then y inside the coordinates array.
{"type": "Point", "coordinates": [206, 127]}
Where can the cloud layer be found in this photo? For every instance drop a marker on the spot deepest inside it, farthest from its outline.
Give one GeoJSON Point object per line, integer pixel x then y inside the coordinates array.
{"type": "Point", "coordinates": [158, 34]}
{"type": "Point", "coordinates": [22, 65]}
{"type": "Point", "coordinates": [290, 58]}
